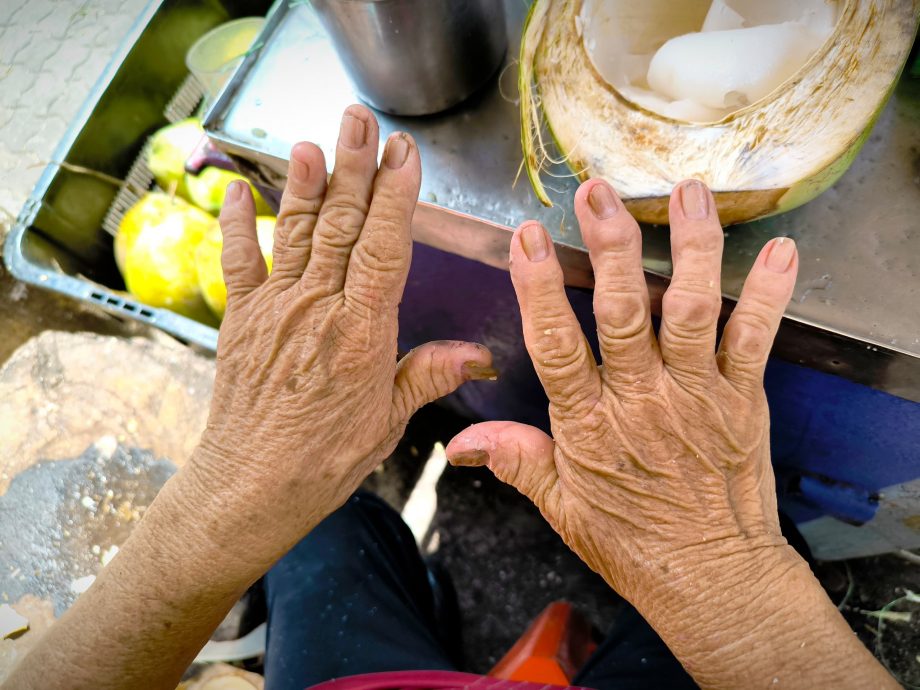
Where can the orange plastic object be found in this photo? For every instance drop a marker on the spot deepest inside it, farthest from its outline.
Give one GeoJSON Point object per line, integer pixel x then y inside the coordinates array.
{"type": "Point", "coordinates": [555, 646]}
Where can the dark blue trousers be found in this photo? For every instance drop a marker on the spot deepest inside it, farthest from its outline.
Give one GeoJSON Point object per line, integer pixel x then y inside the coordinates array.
{"type": "Point", "coordinates": [355, 597]}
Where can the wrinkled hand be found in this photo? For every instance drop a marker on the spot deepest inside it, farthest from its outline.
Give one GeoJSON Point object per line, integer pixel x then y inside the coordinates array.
{"type": "Point", "coordinates": [309, 397]}
{"type": "Point", "coordinates": [660, 458]}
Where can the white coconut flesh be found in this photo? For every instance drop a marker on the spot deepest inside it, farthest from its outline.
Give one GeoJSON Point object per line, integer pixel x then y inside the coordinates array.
{"type": "Point", "coordinates": [766, 101]}
{"type": "Point", "coordinates": [738, 52]}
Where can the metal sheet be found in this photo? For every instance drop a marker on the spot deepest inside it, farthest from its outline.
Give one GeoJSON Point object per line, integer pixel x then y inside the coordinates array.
{"type": "Point", "coordinates": [855, 312]}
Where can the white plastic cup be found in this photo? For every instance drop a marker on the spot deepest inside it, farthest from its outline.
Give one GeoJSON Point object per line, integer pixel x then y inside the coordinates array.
{"type": "Point", "coordinates": [215, 56]}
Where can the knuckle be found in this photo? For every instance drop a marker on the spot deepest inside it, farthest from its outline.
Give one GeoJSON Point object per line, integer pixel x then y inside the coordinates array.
{"type": "Point", "coordinates": [691, 309]}
{"type": "Point", "coordinates": [346, 203]}
{"type": "Point", "coordinates": [383, 252]}
{"type": "Point", "coordinates": [391, 227]}
{"type": "Point", "coordinates": [294, 232]}
{"type": "Point", "coordinates": [236, 257]}
{"type": "Point", "coordinates": [560, 343]}
{"type": "Point", "coordinates": [415, 377]}
{"type": "Point", "coordinates": [562, 355]}
{"type": "Point", "coordinates": [621, 315]}
{"type": "Point", "coordinates": [339, 219]}
{"type": "Point", "coordinates": [294, 207]}
{"type": "Point", "coordinates": [749, 338]}
{"type": "Point", "coordinates": [618, 237]}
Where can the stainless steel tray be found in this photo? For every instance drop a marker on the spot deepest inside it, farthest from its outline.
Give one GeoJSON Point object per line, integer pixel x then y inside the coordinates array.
{"type": "Point", "coordinates": [855, 312]}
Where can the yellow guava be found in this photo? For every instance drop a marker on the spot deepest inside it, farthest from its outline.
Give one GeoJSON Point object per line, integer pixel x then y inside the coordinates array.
{"type": "Point", "coordinates": [169, 148]}
{"type": "Point", "coordinates": [155, 250]}
{"type": "Point", "coordinates": [206, 190]}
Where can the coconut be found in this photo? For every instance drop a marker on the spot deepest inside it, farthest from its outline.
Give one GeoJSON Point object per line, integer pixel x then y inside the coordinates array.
{"type": "Point", "coordinates": [768, 103]}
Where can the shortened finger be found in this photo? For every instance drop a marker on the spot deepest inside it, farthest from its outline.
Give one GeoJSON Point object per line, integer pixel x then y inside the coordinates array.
{"type": "Point", "coordinates": [381, 257]}
{"type": "Point", "coordinates": [621, 301]}
{"type": "Point", "coordinates": [436, 369]}
{"type": "Point", "coordinates": [347, 200]}
{"type": "Point", "coordinates": [692, 302]}
{"type": "Point", "coordinates": [750, 331]}
{"type": "Point", "coordinates": [241, 259]}
{"type": "Point", "coordinates": [300, 204]}
{"type": "Point", "coordinates": [517, 454]}
{"type": "Point", "coordinates": [554, 339]}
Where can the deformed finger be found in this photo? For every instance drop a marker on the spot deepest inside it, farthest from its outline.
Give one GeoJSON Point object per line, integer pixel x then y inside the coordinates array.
{"type": "Point", "coordinates": [518, 454]}
{"type": "Point", "coordinates": [436, 369]}
{"type": "Point", "coordinates": [347, 201]}
{"type": "Point", "coordinates": [300, 203]}
{"type": "Point", "coordinates": [557, 345]}
{"type": "Point", "coordinates": [692, 302]}
{"type": "Point", "coordinates": [750, 331]}
{"type": "Point", "coordinates": [243, 266]}
{"type": "Point", "coordinates": [381, 257]}
{"type": "Point", "coordinates": [621, 300]}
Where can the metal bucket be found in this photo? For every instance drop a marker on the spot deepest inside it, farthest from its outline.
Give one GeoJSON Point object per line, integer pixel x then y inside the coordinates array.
{"type": "Point", "coordinates": [416, 57]}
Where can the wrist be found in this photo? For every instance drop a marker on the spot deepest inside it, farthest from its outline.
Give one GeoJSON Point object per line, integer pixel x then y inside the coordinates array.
{"type": "Point", "coordinates": [722, 589]}
{"type": "Point", "coordinates": [217, 504]}
{"type": "Point", "coordinates": [197, 525]}
{"type": "Point", "coordinates": [748, 617]}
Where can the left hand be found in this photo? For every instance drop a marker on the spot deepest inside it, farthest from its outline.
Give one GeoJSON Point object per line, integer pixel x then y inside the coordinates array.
{"type": "Point", "coordinates": [309, 396]}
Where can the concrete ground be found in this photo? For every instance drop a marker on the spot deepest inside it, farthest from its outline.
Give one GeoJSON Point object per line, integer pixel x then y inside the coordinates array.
{"type": "Point", "coordinates": [87, 402]}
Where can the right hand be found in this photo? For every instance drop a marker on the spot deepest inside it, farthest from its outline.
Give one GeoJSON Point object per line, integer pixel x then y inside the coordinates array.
{"type": "Point", "coordinates": [660, 461]}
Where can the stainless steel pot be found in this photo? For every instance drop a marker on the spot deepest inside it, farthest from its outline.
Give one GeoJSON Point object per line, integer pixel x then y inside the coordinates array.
{"type": "Point", "coordinates": [416, 57]}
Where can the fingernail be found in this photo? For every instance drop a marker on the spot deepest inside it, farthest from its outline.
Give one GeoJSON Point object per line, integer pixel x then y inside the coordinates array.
{"type": "Point", "coordinates": [694, 200]}
{"type": "Point", "coordinates": [469, 457]}
{"type": "Point", "coordinates": [397, 151]}
{"type": "Point", "coordinates": [780, 255]}
{"type": "Point", "coordinates": [234, 191]}
{"type": "Point", "coordinates": [353, 133]}
{"type": "Point", "coordinates": [602, 201]}
{"type": "Point", "coordinates": [535, 243]}
{"type": "Point", "coordinates": [474, 371]}
{"type": "Point", "coordinates": [299, 169]}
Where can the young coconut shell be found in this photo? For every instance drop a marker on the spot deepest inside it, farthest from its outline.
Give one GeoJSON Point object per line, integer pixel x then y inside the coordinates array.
{"type": "Point", "coordinates": [765, 158]}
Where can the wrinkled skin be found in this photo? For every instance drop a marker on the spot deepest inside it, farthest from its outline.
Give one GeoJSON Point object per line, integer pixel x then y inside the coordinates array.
{"type": "Point", "coordinates": [658, 470]}
{"type": "Point", "coordinates": [659, 457]}
{"type": "Point", "coordinates": [309, 397]}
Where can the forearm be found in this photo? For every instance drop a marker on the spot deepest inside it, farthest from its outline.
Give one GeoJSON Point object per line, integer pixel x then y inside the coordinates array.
{"type": "Point", "coordinates": [761, 621]}
{"type": "Point", "coordinates": [150, 610]}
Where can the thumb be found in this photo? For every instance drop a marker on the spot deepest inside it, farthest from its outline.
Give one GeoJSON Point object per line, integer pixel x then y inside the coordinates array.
{"type": "Point", "coordinates": [518, 454]}
{"type": "Point", "coordinates": [436, 369]}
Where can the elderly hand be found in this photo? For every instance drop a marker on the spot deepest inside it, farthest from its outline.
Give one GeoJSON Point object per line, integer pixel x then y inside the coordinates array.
{"type": "Point", "coordinates": [658, 473]}
{"type": "Point", "coordinates": [660, 456]}
{"type": "Point", "coordinates": [309, 397]}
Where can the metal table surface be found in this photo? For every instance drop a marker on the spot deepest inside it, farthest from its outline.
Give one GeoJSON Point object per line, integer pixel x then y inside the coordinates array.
{"type": "Point", "coordinates": [855, 311]}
